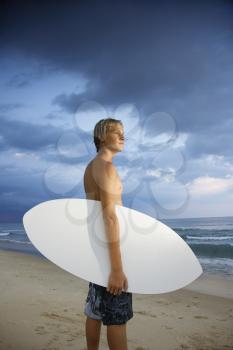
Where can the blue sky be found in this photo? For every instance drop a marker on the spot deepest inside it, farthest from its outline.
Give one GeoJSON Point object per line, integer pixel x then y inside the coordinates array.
{"type": "Point", "coordinates": [163, 67]}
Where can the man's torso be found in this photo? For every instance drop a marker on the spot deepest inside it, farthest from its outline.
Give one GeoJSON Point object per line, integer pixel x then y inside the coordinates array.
{"type": "Point", "coordinates": [92, 172]}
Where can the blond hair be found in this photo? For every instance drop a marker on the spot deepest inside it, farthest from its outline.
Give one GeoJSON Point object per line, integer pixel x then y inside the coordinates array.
{"type": "Point", "coordinates": [102, 128]}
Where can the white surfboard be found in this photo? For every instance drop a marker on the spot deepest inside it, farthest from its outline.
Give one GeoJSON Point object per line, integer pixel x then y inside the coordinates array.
{"type": "Point", "coordinates": [70, 232]}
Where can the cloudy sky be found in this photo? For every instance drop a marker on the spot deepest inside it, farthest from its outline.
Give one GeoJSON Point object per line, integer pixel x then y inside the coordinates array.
{"type": "Point", "coordinates": [165, 68]}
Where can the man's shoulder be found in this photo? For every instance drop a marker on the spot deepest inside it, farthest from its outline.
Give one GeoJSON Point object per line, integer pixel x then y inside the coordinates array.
{"type": "Point", "coordinates": [104, 171]}
{"type": "Point", "coordinates": [103, 165]}
{"type": "Point", "coordinates": [109, 168]}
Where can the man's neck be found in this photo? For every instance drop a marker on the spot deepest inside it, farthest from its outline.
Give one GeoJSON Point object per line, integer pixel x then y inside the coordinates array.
{"type": "Point", "coordinates": [105, 155]}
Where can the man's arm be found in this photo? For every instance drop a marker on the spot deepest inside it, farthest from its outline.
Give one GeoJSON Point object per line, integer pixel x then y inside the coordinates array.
{"type": "Point", "coordinates": [107, 187]}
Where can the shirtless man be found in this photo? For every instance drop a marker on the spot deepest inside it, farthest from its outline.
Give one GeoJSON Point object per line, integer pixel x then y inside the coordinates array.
{"type": "Point", "coordinates": [112, 305]}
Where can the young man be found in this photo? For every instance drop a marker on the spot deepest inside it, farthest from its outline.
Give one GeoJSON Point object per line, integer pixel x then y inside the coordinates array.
{"type": "Point", "coordinates": [112, 305]}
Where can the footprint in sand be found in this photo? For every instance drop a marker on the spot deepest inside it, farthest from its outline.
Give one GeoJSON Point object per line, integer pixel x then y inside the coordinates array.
{"type": "Point", "coordinates": [168, 327]}
{"type": "Point", "coordinates": [195, 303]}
{"type": "Point", "coordinates": [40, 330]}
{"type": "Point", "coordinates": [203, 317]}
{"type": "Point", "coordinates": [141, 312]}
{"type": "Point", "coordinates": [54, 316]}
{"type": "Point", "coordinates": [221, 319]}
{"type": "Point", "coordinates": [184, 347]}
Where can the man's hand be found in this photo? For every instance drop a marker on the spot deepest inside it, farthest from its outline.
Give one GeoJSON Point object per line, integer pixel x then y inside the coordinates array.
{"type": "Point", "coordinates": [117, 282]}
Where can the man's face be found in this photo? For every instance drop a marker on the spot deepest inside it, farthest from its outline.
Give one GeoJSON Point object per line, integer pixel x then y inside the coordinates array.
{"type": "Point", "coordinates": [115, 138]}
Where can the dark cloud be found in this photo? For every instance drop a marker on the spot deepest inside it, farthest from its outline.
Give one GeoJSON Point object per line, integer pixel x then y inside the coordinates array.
{"type": "Point", "coordinates": [18, 81]}
{"type": "Point", "coordinates": [130, 50]}
{"type": "Point", "coordinates": [69, 103]}
{"type": "Point", "coordinates": [19, 196]}
{"type": "Point", "coordinates": [22, 189]}
{"type": "Point", "coordinates": [32, 72]}
{"type": "Point", "coordinates": [217, 139]}
{"type": "Point", "coordinates": [172, 56]}
{"type": "Point", "coordinates": [8, 107]}
{"type": "Point", "coordinates": [28, 136]}
{"type": "Point", "coordinates": [53, 116]}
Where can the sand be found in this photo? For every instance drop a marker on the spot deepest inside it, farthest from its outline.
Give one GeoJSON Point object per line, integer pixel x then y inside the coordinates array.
{"type": "Point", "coordinates": [42, 309]}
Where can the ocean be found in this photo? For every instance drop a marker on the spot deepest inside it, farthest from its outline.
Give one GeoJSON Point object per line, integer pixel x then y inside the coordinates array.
{"type": "Point", "coordinates": [211, 239]}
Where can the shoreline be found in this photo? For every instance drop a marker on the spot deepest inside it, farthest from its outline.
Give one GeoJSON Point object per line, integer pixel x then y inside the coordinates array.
{"type": "Point", "coordinates": [199, 285]}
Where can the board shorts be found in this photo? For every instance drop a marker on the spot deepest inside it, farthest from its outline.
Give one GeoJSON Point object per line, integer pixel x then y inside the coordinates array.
{"type": "Point", "coordinates": [111, 309]}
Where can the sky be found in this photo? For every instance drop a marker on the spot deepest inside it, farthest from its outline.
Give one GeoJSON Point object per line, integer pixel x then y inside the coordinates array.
{"type": "Point", "coordinates": [164, 68]}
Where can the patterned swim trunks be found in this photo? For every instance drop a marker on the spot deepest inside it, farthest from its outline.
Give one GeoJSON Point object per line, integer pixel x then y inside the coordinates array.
{"type": "Point", "coordinates": [111, 309]}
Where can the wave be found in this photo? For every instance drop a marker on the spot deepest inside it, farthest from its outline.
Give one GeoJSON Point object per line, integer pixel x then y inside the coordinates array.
{"type": "Point", "coordinates": [210, 238]}
{"type": "Point", "coordinates": [5, 233]}
{"type": "Point", "coordinates": [201, 229]}
{"type": "Point", "coordinates": [13, 232]}
{"type": "Point", "coordinates": [14, 241]}
{"type": "Point", "coordinates": [213, 250]}
{"type": "Point", "coordinates": [16, 230]}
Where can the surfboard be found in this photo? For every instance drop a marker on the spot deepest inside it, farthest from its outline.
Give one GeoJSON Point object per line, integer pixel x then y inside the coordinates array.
{"type": "Point", "coordinates": [70, 232]}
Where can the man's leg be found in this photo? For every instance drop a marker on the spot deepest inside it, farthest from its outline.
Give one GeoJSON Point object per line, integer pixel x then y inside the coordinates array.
{"type": "Point", "coordinates": [93, 328]}
{"type": "Point", "coordinates": [116, 335]}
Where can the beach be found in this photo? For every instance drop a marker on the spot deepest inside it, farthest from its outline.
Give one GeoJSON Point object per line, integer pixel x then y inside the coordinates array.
{"type": "Point", "coordinates": [42, 309]}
